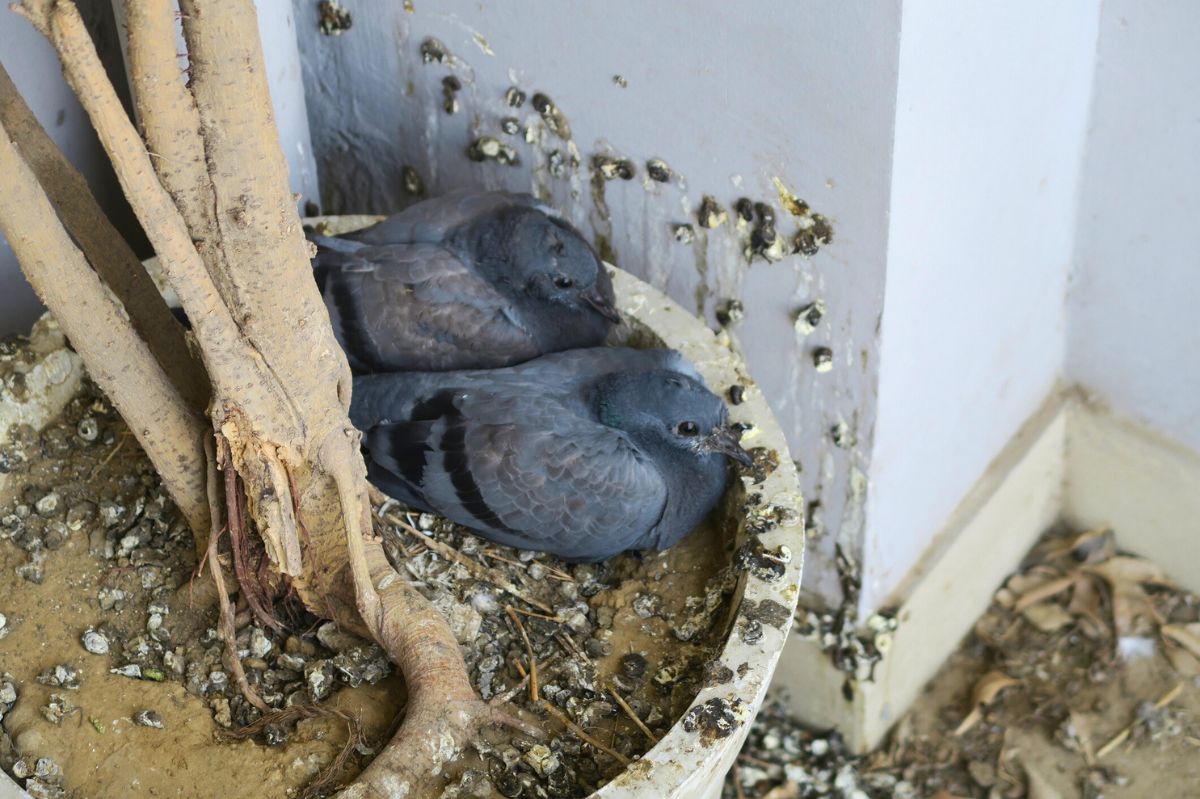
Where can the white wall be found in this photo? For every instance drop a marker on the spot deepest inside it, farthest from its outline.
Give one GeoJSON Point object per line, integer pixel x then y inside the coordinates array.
{"type": "Point", "coordinates": [34, 68]}
{"type": "Point", "coordinates": [277, 24]}
{"type": "Point", "coordinates": [992, 108]}
{"type": "Point", "coordinates": [730, 97]}
{"type": "Point", "coordinates": [1135, 295]}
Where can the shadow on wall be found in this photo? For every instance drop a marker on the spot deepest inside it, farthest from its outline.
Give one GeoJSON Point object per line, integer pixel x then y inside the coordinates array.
{"type": "Point", "coordinates": [35, 70]}
{"type": "Point", "coordinates": [646, 128]}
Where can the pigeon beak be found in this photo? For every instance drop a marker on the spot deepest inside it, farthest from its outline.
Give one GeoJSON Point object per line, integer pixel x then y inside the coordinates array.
{"type": "Point", "coordinates": [725, 441]}
{"type": "Point", "coordinates": [602, 305]}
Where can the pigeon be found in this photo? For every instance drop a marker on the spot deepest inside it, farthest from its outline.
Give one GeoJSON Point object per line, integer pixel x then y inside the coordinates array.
{"type": "Point", "coordinates": [463, 281]}
{"type": "Point", "coordinates": [583, 454]}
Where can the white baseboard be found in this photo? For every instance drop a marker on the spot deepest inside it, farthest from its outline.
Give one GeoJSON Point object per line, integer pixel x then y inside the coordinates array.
{"type": "Point", "coordinates": [1016, 500]}
{"type": "Point", "coordinates": [1072, 461]}
{"type": "Point", "coordinates": [1143, 485]}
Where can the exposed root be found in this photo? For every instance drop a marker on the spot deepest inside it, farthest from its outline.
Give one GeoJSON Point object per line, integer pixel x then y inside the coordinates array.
{"type": "Point", "coordinates": [443, 714]}
{"type": "Point", "coordinates": [326, 780]}
{"type": "Point", "coordinates": [225, 624]}
{"type": "Point", "coordinates": [235, 508]}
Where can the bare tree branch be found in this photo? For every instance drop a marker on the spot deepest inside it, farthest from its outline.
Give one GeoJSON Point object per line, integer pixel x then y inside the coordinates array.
{"type": "Point", "coordinates": [228, 355]}
{"type": "Point", "coordinates": [117, 358]}
{"type": "Point", "coordinates": [170, 123]}
{"type": "Point", "coordinates": [104, 247]}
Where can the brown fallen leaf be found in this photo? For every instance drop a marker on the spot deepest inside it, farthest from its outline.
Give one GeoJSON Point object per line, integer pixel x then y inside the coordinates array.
{"type": "Point", "coordinates": [1128, 569]}
{"type": "Point", "coordinates": [1181, 645]}
{"type": "Point", "coordinates": [1134, 613]}
{"type": "Point", "coordinates": [1094, 546]}
{"type": "Point", "coordinates": [985, 692]}
{"type": "Point", "coordinates": [1048, 617]}
{"type": "Point", "coordinates": [1183, 661]}
{"type": "Point", "coordinates": [1086, 603]}
{"type": "Point", "coordinates": [1091, 546]}
{"type": "Point", "coordinates": [1078, 733]}
{"type": "Point", "coordinates": [1186, 635]}
{"type": "Point", "coordinates": [1044, 591]}
{"type": "Point", "coordinates": [1026, 581]}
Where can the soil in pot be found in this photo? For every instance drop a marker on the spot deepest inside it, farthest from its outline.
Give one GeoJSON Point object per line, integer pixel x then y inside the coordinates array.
{"type": "Point", "coordinates": [122, 687]}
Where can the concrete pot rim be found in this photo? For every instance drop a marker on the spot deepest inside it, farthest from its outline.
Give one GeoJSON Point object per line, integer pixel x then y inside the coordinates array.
{"type": "Point", "coordinates": [693, 757]}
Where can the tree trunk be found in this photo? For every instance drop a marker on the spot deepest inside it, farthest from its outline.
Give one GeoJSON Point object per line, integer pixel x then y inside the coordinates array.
{"type": "Point", "coordinates": [216, 206]}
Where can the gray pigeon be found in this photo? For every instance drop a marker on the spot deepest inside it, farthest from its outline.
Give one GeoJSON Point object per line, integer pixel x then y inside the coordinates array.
{"type": "Point", "coordinates": [463, 281]}
{"type": "Point", "coordinates": [583, 454]}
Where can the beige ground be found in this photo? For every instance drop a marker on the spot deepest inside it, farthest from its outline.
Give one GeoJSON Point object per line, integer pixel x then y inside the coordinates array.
{"type": "Point", "coordinates": [642, 605]}
{"type": "Point", "coordinates": [1083, 676]}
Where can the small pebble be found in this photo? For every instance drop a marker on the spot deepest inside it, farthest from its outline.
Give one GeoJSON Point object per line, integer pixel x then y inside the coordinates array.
{"type": "Point", "coordinates": [94, 642]}
{"type": "Point", "coordinates": [48, 505]}
{"type": "Point", "coordinates": [88, 429]}
{"type": "Point", "coordinates": [275, 735]}
{"type": "Point", "coordinates": [148, 718]}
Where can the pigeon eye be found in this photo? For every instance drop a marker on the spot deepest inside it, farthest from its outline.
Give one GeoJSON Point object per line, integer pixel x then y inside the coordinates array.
{"type": "Point", "coordinates": [687, 428]}
{"type": "Point", "coordinates": [563, 282]}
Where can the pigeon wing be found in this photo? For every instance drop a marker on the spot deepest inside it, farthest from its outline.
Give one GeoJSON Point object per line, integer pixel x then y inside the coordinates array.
{"type": "Point", "coordinates": [417, 307]}
{"type": "Point", "coordinates": [561, 376]}
{"type": "Point", "coordinates": [523, 472]}
{"type": "Point", "coordinates": [430, 221]}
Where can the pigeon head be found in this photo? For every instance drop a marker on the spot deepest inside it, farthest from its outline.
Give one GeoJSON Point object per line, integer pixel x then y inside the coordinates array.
{"type": "Point", "coordinates": [669, 413]}
{"type": "Point", "coordinates": [545, 266]}
{"type": "Point", "coordinates": [552, 262]}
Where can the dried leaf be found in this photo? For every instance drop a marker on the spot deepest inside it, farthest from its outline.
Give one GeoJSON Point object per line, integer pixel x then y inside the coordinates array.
{"type": "Point", "coordinates": [1134, 614]}
{"type": "Point", "coordinates": [1027, 581]}
{"type": "Point", "coordinates": [1086, 602]}
{"type": "Point", "coordinates": [1044, 591]}
{"type": "Point", "coordinates": [1183, 661]}
{"type": "Point", "coordinates": [1093, 546]}
{"type": "Point", "coordinates": [1048, 617]}
{"type": "Point", "coordinates": [989, 687]}
{"type": "Point", "coordinates": [1004, 598]}
{"type": "Point", "coordinates": [1126, 569]}
{"type": "Point", "coordinates": [1182, 647]}
{"type": "Point", "coordinates": [985, 692]}
{"type": "Point", "coordinates": [1186, 635]}
{"type": "Point", "coordinates": [1078, 730]}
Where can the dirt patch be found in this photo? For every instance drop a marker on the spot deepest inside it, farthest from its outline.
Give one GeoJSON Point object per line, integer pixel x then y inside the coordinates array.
{"type": "Point", "coordinates": [1080, 681]}
{"type": "Point", "coordinates": [96, 592]}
